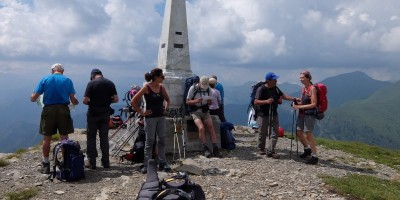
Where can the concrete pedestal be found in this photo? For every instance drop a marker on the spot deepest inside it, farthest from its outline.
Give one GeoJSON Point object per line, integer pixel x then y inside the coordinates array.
{"type": "Point", "coordinates": [191, 135]}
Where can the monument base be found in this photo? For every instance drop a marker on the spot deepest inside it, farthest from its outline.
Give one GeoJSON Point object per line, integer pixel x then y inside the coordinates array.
{"type": "Point", "coordinates": [191, 135]}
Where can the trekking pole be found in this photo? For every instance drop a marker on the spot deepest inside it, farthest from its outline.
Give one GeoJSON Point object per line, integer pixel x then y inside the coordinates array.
{"type": "Point", "coordinates": [297, 139]}
{"type": "Point", "coordinates": [182, 117]}
{"type": "Point", "coordinates": [291, 139]}
{"type": "Point", "coordinates": [121, 126]}
{"type": "Point", "coordinates": [120, 147]}
{"type": "Point", "coordinates": [270, 121]}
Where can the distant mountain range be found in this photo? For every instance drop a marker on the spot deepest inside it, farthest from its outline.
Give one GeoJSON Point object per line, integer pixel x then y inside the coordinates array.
{"type": "Point", "coordinates": [374, 120]}
{"type": "Point", "coordinates": [360, 109]}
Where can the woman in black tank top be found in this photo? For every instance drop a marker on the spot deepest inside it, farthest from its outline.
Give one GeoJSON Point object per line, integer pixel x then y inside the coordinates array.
{"type": "Point", "coordinates": [157, 101]}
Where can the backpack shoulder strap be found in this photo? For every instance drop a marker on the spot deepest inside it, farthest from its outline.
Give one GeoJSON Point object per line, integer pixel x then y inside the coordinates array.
{"type": "Point", "coordinates": [196, 90]}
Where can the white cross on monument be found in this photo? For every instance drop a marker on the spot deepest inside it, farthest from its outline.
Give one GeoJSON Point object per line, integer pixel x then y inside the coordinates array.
{"type": "Point", "coordinates": [173, 53]}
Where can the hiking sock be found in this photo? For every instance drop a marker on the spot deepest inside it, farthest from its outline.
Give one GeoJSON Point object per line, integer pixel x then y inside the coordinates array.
{"type": "Point", "coordinates": [46, 159]}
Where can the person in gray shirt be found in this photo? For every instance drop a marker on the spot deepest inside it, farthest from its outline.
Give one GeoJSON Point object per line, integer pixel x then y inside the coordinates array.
{"type": "Point", "coordinates": [199, 98]}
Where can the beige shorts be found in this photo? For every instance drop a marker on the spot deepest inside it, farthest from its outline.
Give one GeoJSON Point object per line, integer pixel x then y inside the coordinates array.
{"type": "Point", "coordinates": [200, 115]}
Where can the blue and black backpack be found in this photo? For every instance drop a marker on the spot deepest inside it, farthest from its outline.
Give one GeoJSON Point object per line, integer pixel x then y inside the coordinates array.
{"type": "Point", "coordinates": [227, 139]}
{"type": "Point", "coordinates": [188, 83]}
{"type": "Point", "coordinates": [68, 161]}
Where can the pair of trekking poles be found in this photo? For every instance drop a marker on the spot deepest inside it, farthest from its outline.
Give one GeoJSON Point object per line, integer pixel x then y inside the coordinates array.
{"type": "Point", "coordinates": [294, 126]}
{"type": "Point", "coordinates": [179, 129]}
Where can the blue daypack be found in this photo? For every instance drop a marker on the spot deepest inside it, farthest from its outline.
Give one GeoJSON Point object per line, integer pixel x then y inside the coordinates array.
{"type": "Point", "coordinates": [68, 161]}
{"type": "Point", "coordinates": [188, 83]}
{"type": "Point", "coordinates": [227, 139]}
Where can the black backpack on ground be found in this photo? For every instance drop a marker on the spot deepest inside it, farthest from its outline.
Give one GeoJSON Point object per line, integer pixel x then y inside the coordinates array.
{"type": "Point", "coordinates": [68, 161]}
{"type": "Point", "coordinates": [136, 153]}
{"type": "Point", "coordinates": [176, 187]}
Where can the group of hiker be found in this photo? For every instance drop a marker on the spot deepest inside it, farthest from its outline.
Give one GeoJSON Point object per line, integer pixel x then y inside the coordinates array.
{"type": "Point", "coordinates": [205, 99]}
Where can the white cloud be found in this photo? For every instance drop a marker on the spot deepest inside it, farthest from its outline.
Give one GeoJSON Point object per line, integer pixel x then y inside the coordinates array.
{"type": "Point", "coordinates": [234, 35]}
{"type": "Point", "coordinates": [311, 18]}
{"type": "Point", "coordinates": [390, 41]}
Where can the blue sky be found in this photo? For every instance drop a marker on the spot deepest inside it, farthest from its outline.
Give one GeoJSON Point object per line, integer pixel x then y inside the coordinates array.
{"type": "Point", "coordinates": [239, 40]}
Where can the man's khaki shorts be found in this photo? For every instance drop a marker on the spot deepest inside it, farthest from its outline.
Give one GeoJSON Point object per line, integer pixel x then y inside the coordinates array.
{"type": "Point", "coordinates": [56, 117]}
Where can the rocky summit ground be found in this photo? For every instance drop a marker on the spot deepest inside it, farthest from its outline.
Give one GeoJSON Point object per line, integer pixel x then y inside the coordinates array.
{"type": "Point", "coordinates": [240, 174]}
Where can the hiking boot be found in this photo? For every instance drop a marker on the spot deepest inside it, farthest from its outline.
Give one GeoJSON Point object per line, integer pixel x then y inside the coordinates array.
{"type": "Point", "coordinates": [261, 152]}
{"type": "Point", "coordinates": [91, 164]}
{"type": "Point", "coordinates": [144, 170]}
{"type": "Point", "coordinates": [164, 167]}
{"type": "Point", "coordinates": [273, 155]}
{"type": "Point", "coordinates": [306, 153]}
{"type": "Point", "coordinates": [312, 161]}
{"type": "Point", "coordinates": [106, 164]}
{"type": "Point", "coordinates": [45, 168]}
{"type": "Point", "coordinates": [207, 152]}
{"type": "Point", "coordinates": [216, 152]}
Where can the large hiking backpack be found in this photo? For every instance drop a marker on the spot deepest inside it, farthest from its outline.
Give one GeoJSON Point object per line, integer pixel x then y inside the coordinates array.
{"type": "Point", "coordinates": [254, 91]}
{"type": "Point", "coordinates": [176, 187]}
{"type": "Point", "coordinates": [227, 139]}
{"type": "Point", "coordinates": [136, 153]}
{"type": "Point", "coordinates": [322, 103]}
{"type": "Point", "coordinates": [253, 109]}
{"type": "Point", "coordinates": [188, 83]}
{"type": "Point", "coordinates": [68, 161]}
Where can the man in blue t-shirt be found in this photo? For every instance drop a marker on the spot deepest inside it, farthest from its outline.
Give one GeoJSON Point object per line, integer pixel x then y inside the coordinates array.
{"type": "Point", "coordinates": [58, 92]}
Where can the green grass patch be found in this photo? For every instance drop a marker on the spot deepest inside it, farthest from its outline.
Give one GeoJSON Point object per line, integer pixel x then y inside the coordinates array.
{"type": "Point", "coordinates": [55, 137]}
{"type": "Point", "coordinates": [3, 163]}
{"type": "Point", "coordinates": [377, 154]}
{"type": "Point", "coordinates": [18, 153]}
{"type": "Point", "coordinates": [364, 187]}
{"type": "Point", "coordinates": [22, 195]}
{"type": "Point", "coordinates": [21, 151]}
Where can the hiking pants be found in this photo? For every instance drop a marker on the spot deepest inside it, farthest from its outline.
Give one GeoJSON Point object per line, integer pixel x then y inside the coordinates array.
{"type": "Point", "coordinates": [154, 127]}
{"type": "Point", "coordinates": [263, 122]}
{"type": "Point", "coordinates": [100, 123]}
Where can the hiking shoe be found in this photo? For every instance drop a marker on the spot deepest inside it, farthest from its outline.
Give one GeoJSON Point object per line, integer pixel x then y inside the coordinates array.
{"type": "Point", "coordinates": [144, 170]}
{"type": "Point", "coordinates": [261, 152]}
{"type": "Point", "coordinates": [206, 152]}
{"type": "Point", "coordinates": [164, 167]}
{"type": "Point", "coordinates": [106, 164]}
{"type": "Point", "coordinates": [306, 153]}
{"type": "Point", "coordinates": [216, 152]}
{"type": "Point", "coordinates": [273, 155]}
{"type": "Point", "coordinates": [90, 164]}
{"type": "Point", "coordinates": [312, 161]}
{"type": "Point", "coordinates": [45, 168]}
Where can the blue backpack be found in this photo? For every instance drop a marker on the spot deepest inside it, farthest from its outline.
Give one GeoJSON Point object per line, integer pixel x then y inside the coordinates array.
{"type": "Point", "coordinates": [68, 161]}
{"type": "Point", "coordinates": [227, 139]}
{"type": "Point", "coordinates": [188, 83]}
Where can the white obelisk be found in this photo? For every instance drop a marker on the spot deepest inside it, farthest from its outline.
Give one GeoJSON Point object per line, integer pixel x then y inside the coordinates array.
{"type": "Point", "coordinates": [173, 53]}
{"type": "Point", "coordinates": [174, 60]}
